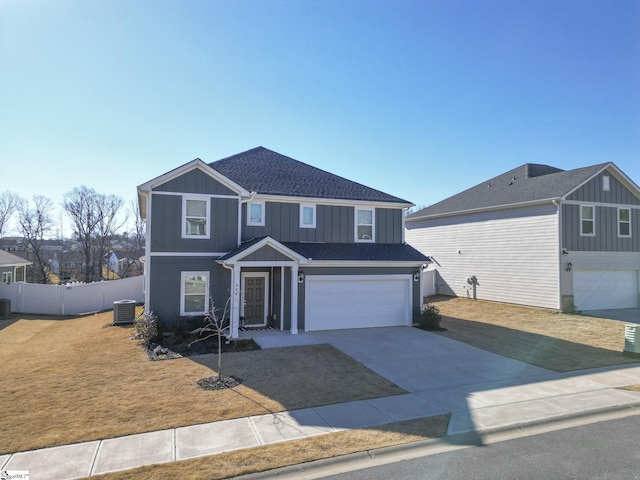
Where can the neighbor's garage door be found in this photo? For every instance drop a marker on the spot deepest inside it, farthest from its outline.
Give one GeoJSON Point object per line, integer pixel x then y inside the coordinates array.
{"type": "Point", "coordinates": [600, 290]}
{"type": "Point", "coordinates": [357, 301]}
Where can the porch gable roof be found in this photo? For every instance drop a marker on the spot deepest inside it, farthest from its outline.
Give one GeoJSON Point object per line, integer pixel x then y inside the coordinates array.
{"type": "Point", "coordinates": [255, 245]}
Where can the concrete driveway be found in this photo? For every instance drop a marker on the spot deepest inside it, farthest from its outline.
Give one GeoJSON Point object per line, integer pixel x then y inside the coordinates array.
{"type": "Point", "coordinates": [414, 359]}
{"type": "Point", "coordinates": [629, 315]}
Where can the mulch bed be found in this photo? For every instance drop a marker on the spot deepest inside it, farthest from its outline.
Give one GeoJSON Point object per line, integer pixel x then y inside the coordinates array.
{"type": "Point", "coordinates": [171, 351]}
{"type": "Point", "coordinates": [215, 383]}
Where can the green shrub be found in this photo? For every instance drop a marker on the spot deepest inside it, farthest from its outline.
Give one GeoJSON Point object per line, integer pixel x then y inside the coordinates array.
{"type": "Point", "coordinates": [147, 328]}
{"type": "Point", "coordinates": [430, 317]}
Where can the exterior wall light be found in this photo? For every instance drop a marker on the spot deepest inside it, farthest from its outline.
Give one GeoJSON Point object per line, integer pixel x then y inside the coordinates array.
{"type": "Point", "coordinates": [301, 277]}
{"type": "Point", "coordinates": [569, 266]}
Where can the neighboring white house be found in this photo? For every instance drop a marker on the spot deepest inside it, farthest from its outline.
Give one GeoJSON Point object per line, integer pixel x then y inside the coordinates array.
{"type": "Point", "coordinates": [540, 236]}
{"type": "Point", "coordinates": [12, 267]}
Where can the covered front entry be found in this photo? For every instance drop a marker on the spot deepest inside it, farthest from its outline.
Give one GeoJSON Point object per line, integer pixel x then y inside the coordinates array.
{"type": "Point", "coordinates": [357, 301]}
{"type": "Point", "coordinates": [255, 298]}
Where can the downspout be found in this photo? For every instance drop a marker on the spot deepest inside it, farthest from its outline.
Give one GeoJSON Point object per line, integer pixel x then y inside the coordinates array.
{"type": "Point", "coordinates": [147, 255]}
{"type": "Point", "coordinates": [557, 204]}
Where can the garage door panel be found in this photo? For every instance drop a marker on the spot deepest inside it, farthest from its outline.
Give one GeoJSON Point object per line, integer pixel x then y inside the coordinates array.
{"type": "Point", "coordinates": [598, 290]}
{"type": "Point", "coordinates": [357, 302]}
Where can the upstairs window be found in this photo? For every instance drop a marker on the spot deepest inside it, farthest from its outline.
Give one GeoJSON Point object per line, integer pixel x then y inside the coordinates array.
{"type": "Point", "coordinates": [194, 293]}
{"type": "Point", "coordinates": [624, 222]}
{"type": "Point", "coordinates": [365, 224]}
{"type": "Point", "coordinates": [255, 214]}
{"type": "Point", "coordinates": [307, 216]}
{"type": "Point", "coordinates": [195, 217]}
{"type": "Point", "coordinates": [587, 220]}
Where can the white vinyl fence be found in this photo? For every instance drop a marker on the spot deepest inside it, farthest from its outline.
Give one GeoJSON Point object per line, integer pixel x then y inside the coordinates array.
{"type": "Point", "coordinates": [428, 283]}
{"type": "Point", "coordinates": [71, 299]}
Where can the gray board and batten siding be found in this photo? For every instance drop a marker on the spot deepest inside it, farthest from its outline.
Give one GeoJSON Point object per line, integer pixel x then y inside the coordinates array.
{"type": "Point", "coordinates": [166, 226]}
{"type": "Point", "coordinates": [592, 191]}
{"type": "Point", "coordinates": [165, 284]}
{"type": "Point", "coordinates": [334, 224]}
{"type": "Point", "coordinates": [606, 237]}
{"type": "Point", "coordinates": [195, 181]}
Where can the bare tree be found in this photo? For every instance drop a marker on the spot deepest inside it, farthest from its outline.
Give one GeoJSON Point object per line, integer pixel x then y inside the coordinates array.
{"type": "Point", "coordinates": [36, 222]}
{"type": "Point", "coordinates": [94, 218]}
{"type": "Point", "coordinates": [8, 205]}
{"type": "Point", "coordinates": [108, 224]}
{"type": "Point", "coordinates": [216, 325]}
{"type": "Point", "coordinates": [134, 242]}
{"type": "Point", "coordinates": [80, 205]}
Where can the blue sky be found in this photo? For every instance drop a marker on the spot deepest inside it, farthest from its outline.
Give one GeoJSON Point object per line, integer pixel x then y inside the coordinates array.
{"type": "Point", "coordinates": [420, 99]}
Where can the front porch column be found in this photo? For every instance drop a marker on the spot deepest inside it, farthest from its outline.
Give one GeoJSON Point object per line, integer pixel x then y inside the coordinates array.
{"type": "Point", "coordinates": [235, 301]}
{"type": "Point", "coordinates": [294, 299]}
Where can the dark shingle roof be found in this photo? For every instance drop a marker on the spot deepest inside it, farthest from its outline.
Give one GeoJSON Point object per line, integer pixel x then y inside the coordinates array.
{"type": "Point", "coordinates": [380, 252]}
{"type": "Point", "coordinates": [267, 172]}
{"type": "Point", "coordinates": [527, 183]}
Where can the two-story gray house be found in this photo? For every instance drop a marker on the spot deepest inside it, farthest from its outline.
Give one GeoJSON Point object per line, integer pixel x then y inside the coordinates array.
{"type": "Point", "coordinates": [538, 235]}
{"type": "Point", "coordinates": [290, 246]}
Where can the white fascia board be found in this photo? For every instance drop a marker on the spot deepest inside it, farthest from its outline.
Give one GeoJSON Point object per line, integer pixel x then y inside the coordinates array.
{"type": "Point", "coordinates": [329, 201]}
{"type": "Point", "coordinates": [363, 263]}
{"type": "Point", "coordinates": [270, 242]}
{"type": "Point", "coordinates": [484, 209]}
{"type": "Point", "coordinates": [193, 164]}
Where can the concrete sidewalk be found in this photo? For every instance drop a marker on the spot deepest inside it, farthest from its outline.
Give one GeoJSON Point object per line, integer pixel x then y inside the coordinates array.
{"type": "Point", "coordinates": [482, 391]}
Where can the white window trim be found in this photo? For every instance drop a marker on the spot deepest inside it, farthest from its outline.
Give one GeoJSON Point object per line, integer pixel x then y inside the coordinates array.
{"type": "Point", "coordinates": [183, 276]}
{"type": "Point", "coordinates": [256, 224]}
{"type": "Point", "coordinates": [582, 234]}
{"type": "Point", "coordinates": [619, 222]}
{"type": "Point", "coordinates": [302, 207]}
{"type": "Point", "coordinates": [606, 183]}
{"type": "Point", "coordinates": [207, 225]}
{"type": "Point", "coordinates": [7, 277]}
{"type": "Point", "coordinates": [373, 224]}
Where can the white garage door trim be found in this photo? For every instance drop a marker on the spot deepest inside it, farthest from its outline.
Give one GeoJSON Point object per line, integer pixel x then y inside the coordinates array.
{"type": "Point", "coordinates": [599, 290]}
{"type": "Point", "coordinates": [357, 301]}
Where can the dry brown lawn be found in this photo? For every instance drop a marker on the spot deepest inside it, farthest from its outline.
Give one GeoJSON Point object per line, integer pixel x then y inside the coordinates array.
{"type": "Point", "coordinates": [538, 336]}
{"type": "Point", "coordinates": [295, 452]}
{"type": "Point", "coordinates": [73, 380]}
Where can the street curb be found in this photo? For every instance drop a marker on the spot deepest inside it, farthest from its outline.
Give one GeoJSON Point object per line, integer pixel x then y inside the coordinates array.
{"type": "Point", "coordinates": [448, 443]}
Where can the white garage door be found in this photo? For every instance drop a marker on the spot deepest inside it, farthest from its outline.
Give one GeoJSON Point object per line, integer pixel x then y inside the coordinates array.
{"type": "Point", "coordinates": [593, 290]}
{"type": "Point", "coordinates": [357, 301]}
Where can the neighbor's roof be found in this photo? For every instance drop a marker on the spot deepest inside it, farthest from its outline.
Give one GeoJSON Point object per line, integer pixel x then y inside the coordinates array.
{"type": "Point", "coordinates": [527, 183]}
{"type": "Point", "coordinates": [267, 172]}
{"type": "Point", "coordinates": [10, 260]}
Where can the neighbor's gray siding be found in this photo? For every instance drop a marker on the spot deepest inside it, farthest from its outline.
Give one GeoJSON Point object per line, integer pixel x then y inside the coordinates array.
{"type": "Point", "coordinates": [334, 224]}
{"type": "Point", "coordinates": [592, 192]}
{"type": "Point", "coordinates": [606, 227]}
{"type": "Point", "coordinates": [166, 226]}
{"type": "Point", "coordinates": [195, 181]}
{"type": "Point", "coordinates": [165, 285]}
